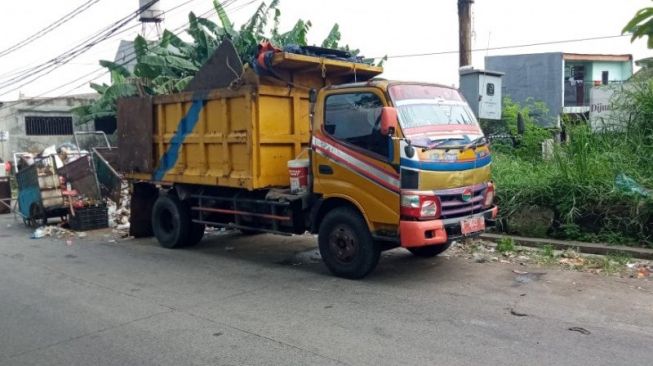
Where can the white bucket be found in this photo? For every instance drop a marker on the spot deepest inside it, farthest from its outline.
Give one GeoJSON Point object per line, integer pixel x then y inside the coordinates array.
{"type": "Point", "coordinates": [298, 171]}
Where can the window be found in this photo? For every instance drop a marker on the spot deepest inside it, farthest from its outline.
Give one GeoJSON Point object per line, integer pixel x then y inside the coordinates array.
{"type": "Point", "coordinates": [605, 77]}
{"type": "Point", "coordinates": [489, 89]}
{"type": "Point", "coordinates": [48, 126]}
{"type": "Point", "coordinates": [356, 119]}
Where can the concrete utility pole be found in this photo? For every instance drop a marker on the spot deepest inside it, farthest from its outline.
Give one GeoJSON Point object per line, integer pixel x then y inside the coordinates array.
{"type": "Point", "coordinates": [465, 31]}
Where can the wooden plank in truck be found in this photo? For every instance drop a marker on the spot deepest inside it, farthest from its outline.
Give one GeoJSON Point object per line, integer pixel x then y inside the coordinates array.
{"type": "Point", "coordinates": [135, 134]}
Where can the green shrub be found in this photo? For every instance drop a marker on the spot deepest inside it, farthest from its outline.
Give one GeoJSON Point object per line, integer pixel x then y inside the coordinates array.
{"type": "Point", "coordinates": [578, 184]}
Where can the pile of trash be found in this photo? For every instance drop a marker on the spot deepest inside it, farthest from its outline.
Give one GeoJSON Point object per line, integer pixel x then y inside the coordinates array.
{"type": "Point", "coordinates": [62, 155]}
{"type": "Point", "coordinates": [52, 232]}
{"type": "Point", "coordinates": [119, 212]}
{"type": "Point", "coordinates": [640, 270]}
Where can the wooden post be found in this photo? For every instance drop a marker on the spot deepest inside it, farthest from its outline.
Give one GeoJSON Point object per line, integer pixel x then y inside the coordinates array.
{"type": "Point", "coordinates": [465, 31]}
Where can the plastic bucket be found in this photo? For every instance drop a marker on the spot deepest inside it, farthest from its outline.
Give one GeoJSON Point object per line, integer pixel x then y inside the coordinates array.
{"type": "Point", "coordinates": [298, 171]}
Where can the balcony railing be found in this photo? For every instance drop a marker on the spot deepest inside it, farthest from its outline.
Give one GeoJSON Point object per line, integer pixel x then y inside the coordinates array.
{"type": "Point", "coordinates": [577, 94]}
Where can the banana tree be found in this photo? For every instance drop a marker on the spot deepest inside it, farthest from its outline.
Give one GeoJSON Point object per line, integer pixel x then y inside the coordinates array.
{"type": "Point", "coordinates": [641, 26]}
{"type": "Point", "coordinates": [169, 64]}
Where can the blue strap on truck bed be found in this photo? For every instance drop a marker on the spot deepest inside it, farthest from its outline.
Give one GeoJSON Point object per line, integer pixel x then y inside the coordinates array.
{"type": "Point", "coordinates": [185, 126]}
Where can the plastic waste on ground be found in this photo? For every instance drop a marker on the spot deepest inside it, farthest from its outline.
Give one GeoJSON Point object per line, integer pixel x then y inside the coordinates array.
{"type": "Point", "coordinates": [629, 185]}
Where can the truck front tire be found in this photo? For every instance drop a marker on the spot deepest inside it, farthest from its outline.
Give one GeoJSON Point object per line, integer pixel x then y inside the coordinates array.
{"type": "Point", "coordinates": [172, 224]}
{"type": "Point", "coordinates": [346, 245]}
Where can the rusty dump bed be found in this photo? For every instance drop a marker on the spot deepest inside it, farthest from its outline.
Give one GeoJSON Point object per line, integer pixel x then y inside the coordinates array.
{"type": "Point", "coordinates": [240, 136]}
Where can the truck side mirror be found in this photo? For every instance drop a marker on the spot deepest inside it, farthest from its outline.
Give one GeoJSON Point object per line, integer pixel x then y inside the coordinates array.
{"type": "Point", "coordinates": [389, 121]}
{"type": "Point", "coordinates": [312, 95]}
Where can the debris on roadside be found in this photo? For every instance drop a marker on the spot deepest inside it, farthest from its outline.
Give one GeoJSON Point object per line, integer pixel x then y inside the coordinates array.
{"type": "Point", "coordinates": [119, 213]}
{"type": "Point", "coordinates": [572, 259]}
{"type": "Point", "coordinates": [482, 251]}
{"type": "Point", "coordinates": [580, 330]}
{"type": "Point", "coordinates": [516, 313]}
{"type": "Point", "coordinates": [640, 270]}
{"type": "Point", "coordinates": [52, 231]}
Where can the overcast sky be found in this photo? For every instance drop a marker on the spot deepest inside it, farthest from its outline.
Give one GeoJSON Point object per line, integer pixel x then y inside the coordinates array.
{"type": "Point", "coordinates": [376, 27]}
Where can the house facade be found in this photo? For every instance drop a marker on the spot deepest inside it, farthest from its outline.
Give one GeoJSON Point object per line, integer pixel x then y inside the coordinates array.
{"type": "Point", "coordinates": [32, 124]}
{"type": "Point", "coordinates": [561, 80]}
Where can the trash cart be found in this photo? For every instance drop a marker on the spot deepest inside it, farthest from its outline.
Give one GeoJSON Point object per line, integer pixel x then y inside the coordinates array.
{"type": "Point", "coordinates": [40, 194]}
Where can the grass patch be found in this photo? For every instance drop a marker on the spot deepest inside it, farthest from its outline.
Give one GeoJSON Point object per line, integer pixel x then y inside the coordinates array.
{"type": "Point", "coordinates": [546, 253]}
{"type": "Point", "coordinates": [505, 245]}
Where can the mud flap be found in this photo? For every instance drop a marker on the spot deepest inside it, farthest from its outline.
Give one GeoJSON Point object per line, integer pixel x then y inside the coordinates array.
{"type": "Point", "coordinates": [142, 200]}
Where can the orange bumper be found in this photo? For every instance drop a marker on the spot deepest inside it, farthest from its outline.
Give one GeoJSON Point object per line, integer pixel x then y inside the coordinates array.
{"type": "Point", "coordinates": [433, 232]}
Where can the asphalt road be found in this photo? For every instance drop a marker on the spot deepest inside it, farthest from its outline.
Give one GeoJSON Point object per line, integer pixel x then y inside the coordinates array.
{"type": "Point", "coordinates": [266, 300]}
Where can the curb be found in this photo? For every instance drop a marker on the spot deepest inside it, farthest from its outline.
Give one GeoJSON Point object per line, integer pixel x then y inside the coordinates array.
{"type": "Point", "coordinates": [587, 248]}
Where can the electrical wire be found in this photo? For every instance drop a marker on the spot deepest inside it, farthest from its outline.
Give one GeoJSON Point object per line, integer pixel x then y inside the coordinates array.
{"type": "Point", "coordinates": [41, 70]}
{"type": "Point", "coordinates": [56, 24]}
{"type": "Point", "coordinates": [125, 30]}
{"type": "Point", "coordinates": [102, 72]}
{"type": "Point", "coordinates": [508, 47]}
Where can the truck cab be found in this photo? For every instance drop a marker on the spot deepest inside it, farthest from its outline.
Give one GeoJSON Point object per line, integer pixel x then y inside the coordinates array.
{"type": "Point", "coordinates": [409, 158]}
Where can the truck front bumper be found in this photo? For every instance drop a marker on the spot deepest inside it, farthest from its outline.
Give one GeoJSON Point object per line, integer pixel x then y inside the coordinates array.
{"type": "Point", "coordinates": [437, 232]}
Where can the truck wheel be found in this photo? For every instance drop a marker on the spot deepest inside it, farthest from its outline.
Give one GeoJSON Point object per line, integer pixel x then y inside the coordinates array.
{"type": "Point", "coordinates": [196, 233]}
{"type": "Point", "coordinates": [346, 245]}
{"type": "Point", "coordinates": [429, 251]}
{"type": "Point", "coordinates": [170, 222]}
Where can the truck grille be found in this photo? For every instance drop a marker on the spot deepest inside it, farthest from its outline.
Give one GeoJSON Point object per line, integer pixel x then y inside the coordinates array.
{"type": "Point", "coordinates": [453, 204]}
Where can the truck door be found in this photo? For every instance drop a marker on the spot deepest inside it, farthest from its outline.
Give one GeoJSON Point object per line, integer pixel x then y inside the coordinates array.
{"type": "Point", "coordinates": [353, 160]}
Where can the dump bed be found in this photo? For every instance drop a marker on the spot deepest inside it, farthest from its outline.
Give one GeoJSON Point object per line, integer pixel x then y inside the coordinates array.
{"type": "Point", "coordinates": [242, 136]}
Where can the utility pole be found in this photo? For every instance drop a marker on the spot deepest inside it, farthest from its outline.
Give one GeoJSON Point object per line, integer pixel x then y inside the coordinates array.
{"type": "Point", "coordinates": [465, 31]}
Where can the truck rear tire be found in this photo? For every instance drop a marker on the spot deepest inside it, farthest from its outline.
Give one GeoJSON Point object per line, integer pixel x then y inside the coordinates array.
{"type": "Point", "coordinates": [196, 233]}
{"type": "Point", "coordinates": [346, 245]}
{"type": "Point", "coordinates": [171, 223]}
{"type": "Point", "coordinates": [429, 251]}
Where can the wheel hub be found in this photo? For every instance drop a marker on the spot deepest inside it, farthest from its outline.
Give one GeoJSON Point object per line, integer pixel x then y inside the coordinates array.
{"type": "Point", "coordinates": [343, 244]}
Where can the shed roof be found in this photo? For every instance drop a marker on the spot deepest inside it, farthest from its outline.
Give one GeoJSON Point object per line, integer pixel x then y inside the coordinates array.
{"type": "Point", "coordinates": [596, 57]}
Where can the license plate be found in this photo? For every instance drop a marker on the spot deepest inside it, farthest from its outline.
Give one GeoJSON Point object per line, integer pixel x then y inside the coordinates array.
{"type": "Point", "coordinates": [472, 225]}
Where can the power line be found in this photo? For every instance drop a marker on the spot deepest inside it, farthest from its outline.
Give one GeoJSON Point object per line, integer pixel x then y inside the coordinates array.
{"type": "Point", "coordinates": [102, 72]}
{"type": "Point", "coordinates": [41, 70]}
{"type": "Point", "coordinates": [509, 47]}
{"type": "Point", "coordinates": [56, 24]}
{"type": "Point", "coordinates": [125, 30]}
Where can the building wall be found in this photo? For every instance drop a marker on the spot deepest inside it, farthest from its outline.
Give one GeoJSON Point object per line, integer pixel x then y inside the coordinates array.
{"type": "Point", "coordinates": [618, 71]}
{"type": "Point", "coordinates": [535, 76]}
{"type": "Point", "coordinates": [12, 119]}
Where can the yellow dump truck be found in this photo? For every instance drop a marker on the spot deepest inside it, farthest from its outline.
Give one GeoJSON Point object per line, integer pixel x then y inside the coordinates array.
{"type": "Point", "coordinates": [308, 143]}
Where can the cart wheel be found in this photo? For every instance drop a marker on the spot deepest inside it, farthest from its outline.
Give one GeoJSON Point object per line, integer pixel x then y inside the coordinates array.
{"type": "Point", "coordinates": [37, 216]}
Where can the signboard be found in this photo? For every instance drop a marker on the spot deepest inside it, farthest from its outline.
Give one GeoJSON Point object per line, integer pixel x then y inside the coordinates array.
{"type": "Point", "coordinates": [4, 136]}
{"type": "Point", "coordinates": [603, 114]}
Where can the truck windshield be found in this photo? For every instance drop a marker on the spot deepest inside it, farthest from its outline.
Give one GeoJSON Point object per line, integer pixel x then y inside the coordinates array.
{"type": "Point", "coordinates": [424, 112]}
{"type": "Point", "coordinates": [429, 105]}
{"type": "Point", "coordinates": [433, 116]}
